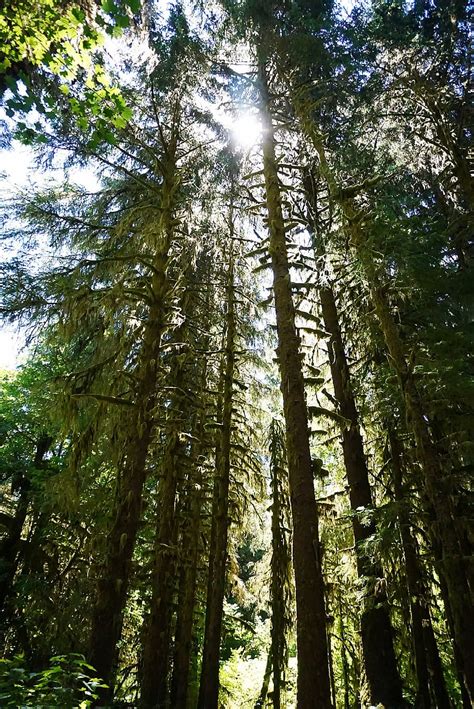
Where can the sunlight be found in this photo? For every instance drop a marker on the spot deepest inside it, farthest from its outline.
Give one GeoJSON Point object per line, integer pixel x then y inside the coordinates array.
{"type": "Point", "coordinates": [246, 130]}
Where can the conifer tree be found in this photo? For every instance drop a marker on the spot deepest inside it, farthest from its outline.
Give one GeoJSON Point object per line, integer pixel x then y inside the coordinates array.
{"type": "Point", "coordinates": [281, 583]}
{"type": "Point", "coordinates": [145, 516]}
{"type": "Point", "coordinates": [209, 684]}
{"type": "Point", "coordinates": [313, 675]}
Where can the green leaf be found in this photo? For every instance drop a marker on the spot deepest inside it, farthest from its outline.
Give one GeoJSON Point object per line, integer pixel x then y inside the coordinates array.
{"type": "Point", "coordinates": [127, 113]}
{"type": "Point", "coordinates": [109, 6]}
{"type": "Point", "coordinates": [122, 21]}
{"type": "Point", "coordinates": [78, 14]}
{"type": "Point", "coordinates": [134, 5]}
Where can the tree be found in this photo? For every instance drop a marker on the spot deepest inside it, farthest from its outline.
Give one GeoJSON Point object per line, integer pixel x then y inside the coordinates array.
{"type": "Point", "coordinates": [281, 582]}
{"type": "Point", "coordinates": [313, 677]}
{"type": "Point", "coordinates": [209, 684]}
{"type": "Point", "coordinates": [146, 515]}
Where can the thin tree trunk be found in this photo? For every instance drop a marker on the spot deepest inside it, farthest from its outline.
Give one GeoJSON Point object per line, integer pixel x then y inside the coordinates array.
{"type": "Point", "coordinates": [280, 563]}
{"type": "Point", "coordinates": [114, 579]}
{"type": "Point", "coordinates": [266, 684]}
{"type": "Point", "coordinates": [188, 576]}
{"type": "Point", "coordinates": [377, 633]}
{"type": "Point", "coordinates": [429, 669]}
{"type": "Point", "coordinates": [156, 644]}
{"type": "Point", "coordinates": [209, 682]}
{"type": "Point", "coordinates": [344, 662]}
{"type": "Point", "coordinates": [157, 633]}
{"type": "Point", "coordinates": [332, 679]}
{"type": "Point", "coordinates": [186, 605]}
{"type": "Point", "coordinates": [313, 687]}
{"type": "Point", "coordinates": [466, 701]}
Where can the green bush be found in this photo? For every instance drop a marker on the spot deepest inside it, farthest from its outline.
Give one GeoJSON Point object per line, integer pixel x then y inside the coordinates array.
{"type": "Point", "coordinates": [68, 682]}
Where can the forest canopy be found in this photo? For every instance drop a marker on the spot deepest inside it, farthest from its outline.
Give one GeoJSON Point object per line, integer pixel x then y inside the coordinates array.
{"type": "Point", "coordinates": [236, 462]}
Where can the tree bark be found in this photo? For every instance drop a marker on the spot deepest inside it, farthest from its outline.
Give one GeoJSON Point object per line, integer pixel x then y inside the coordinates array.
{"type": "Point", "coordinates": [190, 534]}
{"type": "Point", "coordinates": [377, 633]}
{"type": "Point", "coordinates": [157, 627]}
{"type": "Point", "coordinates": [156, 644]}
{"type": "Point", "coordinates": [188, 576]}
{"type": "Point", "coordinates": [465, 698]}
{"type": "Point", "coordinates": [429, 669]}
{"type": "Point", "coordinates": [344, 661]}
{"type": "Point", "coordinates": [113, 582]}
{"type": "Point", "coordinates": [186, 605]}
{"type": "Point", "coordinates": [209, 682]}
{"type": "Point", "coordinates": [266, 684]}
{"type": "Point", "coordinates": [280, 563]}
{"type": "Point", "coordinates": [313, 686]}
{"type": "Point", "coordinates": [451, 561]}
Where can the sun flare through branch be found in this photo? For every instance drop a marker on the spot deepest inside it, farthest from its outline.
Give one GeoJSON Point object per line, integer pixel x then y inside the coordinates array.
{"type": "Point", "coordinates": [246, 130]}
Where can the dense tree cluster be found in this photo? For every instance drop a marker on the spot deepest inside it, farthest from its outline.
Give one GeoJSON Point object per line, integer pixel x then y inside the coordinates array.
{"type": "Point", "coordinates": [236, 469]}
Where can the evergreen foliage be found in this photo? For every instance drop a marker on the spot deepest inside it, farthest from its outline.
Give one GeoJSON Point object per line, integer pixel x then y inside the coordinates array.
{"type": "Point", "coordinates": [236, 467]}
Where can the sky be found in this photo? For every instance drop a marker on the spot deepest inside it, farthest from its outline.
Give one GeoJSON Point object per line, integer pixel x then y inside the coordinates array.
{"type": "Point", "coordinates": [14, 166]}
{"type": "Point", "coordinates": [17, 171]}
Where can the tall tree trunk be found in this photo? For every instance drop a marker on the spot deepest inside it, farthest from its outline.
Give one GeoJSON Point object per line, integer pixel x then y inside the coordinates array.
{"type": "Point", "coordinates": [156, 644]}
{"type": "Point", "coordinates": [261, 699]}
{"type": "Point", "coordinates": [114, 578]}
{"type": "Point", "coordinates": [344, 662]}
{"type": "Point", "coordinates": [113, 582]}
{"type": "Point", "coordinates": [188, 577]}
{"type": "Point", "coordinates": [157, 627]}
{"type": "Point", "coordinates": [209, 682]}
{"type": "Point", "coordinates": [277, 650]}
{"type": "Point", "coordinates": [332, 679]}
{"type": "Point", "coordinates": [377, 634]}
{"type": "Point", "coordinates": [280, 562]}
{"type": "Point", "coordinates": [429, 669]}
{"type": "Point", "coordinates": [466, 701]}
{"type": "Point", "coordinates": [313, 686]}
{"type": "Point", "coordinates": [186, 603]}
{"type": "Point", "coordinates": [190, 533]}
{"type": "Point", "coordinates": [451, 562]}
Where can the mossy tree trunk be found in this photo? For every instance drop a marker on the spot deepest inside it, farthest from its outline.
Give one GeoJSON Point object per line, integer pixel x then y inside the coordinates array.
{"type": "Point", "coordinates": [190, 548]}
{"type": "Point", "coordinates": [10, 553]}
{"type": "Point", "coordinates": [113, 582]}
{"type": "Point", "coordinates": [313, 685]}
{"type": "Point", "coordinates": [157, 627]}
{"type": "Point", "coordinates": [377, 633]}
{"type": "Point", "coordinates": [451, 562]}
{"type": "Point", "coordinates": [209, 681]}
{"type": "Point", "coordinates": [281, 583]}
{"type": "Point", "coordinates": [190, 555]}
{"type": "Point", "coordinates": [429, 670]}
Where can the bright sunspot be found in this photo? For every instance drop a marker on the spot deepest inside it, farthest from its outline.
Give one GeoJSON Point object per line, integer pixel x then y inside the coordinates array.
{"type": "Point", "coordinates": [246, 130]}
